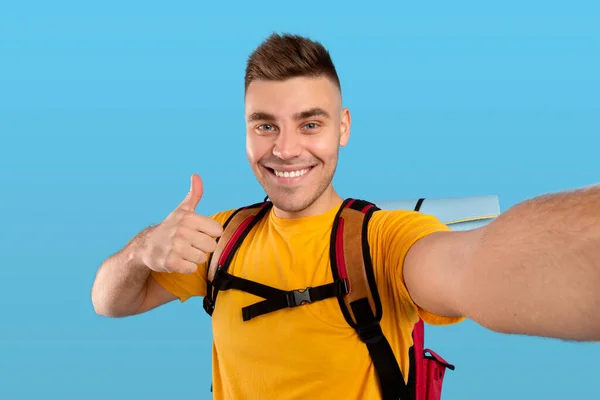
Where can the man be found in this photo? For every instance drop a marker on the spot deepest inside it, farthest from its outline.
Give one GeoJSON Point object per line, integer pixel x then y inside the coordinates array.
{"type": "Point", "coordinates": [535, 270]}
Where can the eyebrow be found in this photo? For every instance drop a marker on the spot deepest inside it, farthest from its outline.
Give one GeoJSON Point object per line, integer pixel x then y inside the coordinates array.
{"type": "Point", "coordinates": [312, 112]}
{"type": "Point", "coordinates": [261, 116]}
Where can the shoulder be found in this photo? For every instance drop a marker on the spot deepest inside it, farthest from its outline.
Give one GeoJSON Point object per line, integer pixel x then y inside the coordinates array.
{"type": "Point", "coordinates": [222, 216]}
{"type": "Point", "coordinates": [396, 225]}
{"type": "Point", "coordinates": [413, 249]}
{"type": "Point", "coordinates": [392, 233]}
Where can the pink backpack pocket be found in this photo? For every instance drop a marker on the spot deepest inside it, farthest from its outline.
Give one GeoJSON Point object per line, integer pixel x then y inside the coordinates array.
{"type": "Point", "coordinates": [434, 369]}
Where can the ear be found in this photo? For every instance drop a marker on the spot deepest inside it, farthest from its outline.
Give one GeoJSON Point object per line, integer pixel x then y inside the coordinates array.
{"type": "Point", "coordinates": [345, 122]}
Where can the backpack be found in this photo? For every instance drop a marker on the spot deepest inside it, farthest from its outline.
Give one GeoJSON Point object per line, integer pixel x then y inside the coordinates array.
{"type": "Point", "coordinates": [354, 287]}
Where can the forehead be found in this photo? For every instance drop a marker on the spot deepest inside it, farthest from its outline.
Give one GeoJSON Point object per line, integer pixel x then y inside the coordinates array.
{"type": "Point", "coordinates": [286, 98]}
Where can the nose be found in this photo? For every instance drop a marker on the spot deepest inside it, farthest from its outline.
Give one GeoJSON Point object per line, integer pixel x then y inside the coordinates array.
{"type": "Point", "coordinates": [287, 145]}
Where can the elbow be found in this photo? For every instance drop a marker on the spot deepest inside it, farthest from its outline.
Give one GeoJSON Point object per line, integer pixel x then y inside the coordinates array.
{"type": "Point", "coordinates": [100, 306]}
{"type": "Point", "coordinates": [101, 310]}
{"type": "Point", "coordinates": [104, 310]}
{"type": "Point", "coordinates": [101, 303]}
{"type": "Point", "coordinates": [106, 305]}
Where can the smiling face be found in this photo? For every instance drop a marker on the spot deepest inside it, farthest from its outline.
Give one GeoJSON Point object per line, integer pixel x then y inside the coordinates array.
{"type": "Point", "coordinates": [294, 129]}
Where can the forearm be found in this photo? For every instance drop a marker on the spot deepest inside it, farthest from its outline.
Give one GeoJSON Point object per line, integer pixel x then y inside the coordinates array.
{"type": "Point", "coordinates": [537, 268]}
{"type": "Point", "coordinates": [120, 284]}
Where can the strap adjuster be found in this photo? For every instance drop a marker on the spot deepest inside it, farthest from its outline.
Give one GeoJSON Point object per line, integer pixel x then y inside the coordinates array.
{"type": "Point", "coordinates": [371, 333]}
{"type": "Point", "coordinates": [344, 289]}
{"type": "Point", "coordinates": [220, 280]}
{"type": "Point", "coordinates": [298, 297]}
{"type": "Point", "coordinates": [208, 305]}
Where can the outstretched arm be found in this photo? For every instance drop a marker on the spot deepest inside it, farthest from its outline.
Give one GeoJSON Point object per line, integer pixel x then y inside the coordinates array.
{"type": "Point", "coordinates": [534, 270]}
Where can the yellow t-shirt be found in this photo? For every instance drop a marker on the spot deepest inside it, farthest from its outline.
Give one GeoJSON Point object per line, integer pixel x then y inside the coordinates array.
{"type": "Point", "coordinates": [308, 351]}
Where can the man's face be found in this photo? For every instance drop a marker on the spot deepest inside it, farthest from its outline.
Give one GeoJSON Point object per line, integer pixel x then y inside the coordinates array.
{"type": "Point", "coordinates": [294, 129]}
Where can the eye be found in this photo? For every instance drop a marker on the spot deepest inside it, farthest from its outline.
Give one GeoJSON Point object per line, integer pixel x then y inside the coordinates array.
{"type": "Point", "coordinates": [311, 126]}
{"type": "Point", "coordinates": [266, 128]}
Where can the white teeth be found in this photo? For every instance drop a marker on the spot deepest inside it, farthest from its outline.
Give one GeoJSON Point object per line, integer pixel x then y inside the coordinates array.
{"type": "Point", "coordinates": [291, 174]}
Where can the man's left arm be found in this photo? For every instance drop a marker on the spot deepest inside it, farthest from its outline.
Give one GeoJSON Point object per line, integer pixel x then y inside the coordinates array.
{"type": "Point", "coordinates": [534, 270]}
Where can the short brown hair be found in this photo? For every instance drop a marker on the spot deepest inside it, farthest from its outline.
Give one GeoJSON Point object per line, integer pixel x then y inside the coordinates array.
{"type": "Point", "coordinates": [286, 56]}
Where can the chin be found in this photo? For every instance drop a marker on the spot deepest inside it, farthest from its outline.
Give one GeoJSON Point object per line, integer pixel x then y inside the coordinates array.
{"type": "Point", "coordinates": [295, 201]}
{"type": "Point", "coordinates": [291, 203]}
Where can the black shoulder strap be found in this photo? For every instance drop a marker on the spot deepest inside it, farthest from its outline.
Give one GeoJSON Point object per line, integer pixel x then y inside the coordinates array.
{"type": "Point", "coordinates": [351, 261]}
{"type": "Point", "coordinates": [235, 230]}
{"type": "Point", "coordinates": [218, 278]}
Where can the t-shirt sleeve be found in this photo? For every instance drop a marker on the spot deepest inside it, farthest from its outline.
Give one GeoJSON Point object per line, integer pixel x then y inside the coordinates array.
{"type": "Point", "coordinates": [392, 233]}
{"type": "Point", "coordinates": [185, 286]}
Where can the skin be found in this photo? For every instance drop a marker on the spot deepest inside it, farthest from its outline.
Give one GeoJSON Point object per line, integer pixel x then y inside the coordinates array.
{"type": "Point", "coordinates": [123, 284]}
{"type": "Point", "coordinates": [291, 125]}
{"type": "Point", "coordinates": [534, 270]}
{"type": "Point", "coordinates": [287, 132]}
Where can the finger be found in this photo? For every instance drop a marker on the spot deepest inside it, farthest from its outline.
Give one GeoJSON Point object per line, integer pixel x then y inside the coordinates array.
{"type": "Point", "coordinates": [193, 254]}
{"type": "Point", "coordinates": [194, 195]}
{"type": "Point", "coordinates": [199, 240]}
{"type": "Point", "coordinates": [175, 263]}
{"type": "Point", "coordinates": [200, 223]}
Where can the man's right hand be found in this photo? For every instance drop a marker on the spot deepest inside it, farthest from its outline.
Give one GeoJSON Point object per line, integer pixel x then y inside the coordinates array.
{"type": "Point", "coordinates": [183, 239]}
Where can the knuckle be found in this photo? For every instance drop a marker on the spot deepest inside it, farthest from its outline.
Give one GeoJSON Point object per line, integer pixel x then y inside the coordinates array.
{"type": "Point", "coordinates": [211, 246]}
{"type": "Point", "coordinates": [202, 257]}
{"type": "Point", "coordinates": [179, 239]}
{"type": "Point", "coordinates": [188, 218]}
{"type": "Point", "coordinates": [192, 268]}
{"type": "Point", "coordinates": [171, 261]}
{"type": "Point", "coordinates": [218, 229]}
{"type": "Point", "coordinates": [174, 246]}
{"type": "Point", "coordinates": [179, 232]}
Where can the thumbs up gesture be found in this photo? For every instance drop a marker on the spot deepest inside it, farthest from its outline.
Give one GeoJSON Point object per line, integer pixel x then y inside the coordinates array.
{"type": "Point", "coordinates": [184, 238]}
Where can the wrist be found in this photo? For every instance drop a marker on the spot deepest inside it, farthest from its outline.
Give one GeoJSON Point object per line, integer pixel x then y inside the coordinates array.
{"type": "Point", "coordinates": [139, 257]}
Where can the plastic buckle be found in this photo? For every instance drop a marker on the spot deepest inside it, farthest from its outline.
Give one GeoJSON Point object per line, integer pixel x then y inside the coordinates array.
{"type": "Point", "coordinates": [298, 297]}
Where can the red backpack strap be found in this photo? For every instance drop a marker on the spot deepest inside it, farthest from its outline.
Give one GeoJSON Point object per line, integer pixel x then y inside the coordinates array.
{"type": "Point", "coordinates": [235, 230]}
{"type": "Point", "coordinates": [351, 261]}
{"type": "Point", "coordinates": [218, 278]}
{"type": "Point", "coordinates": [417, 377]}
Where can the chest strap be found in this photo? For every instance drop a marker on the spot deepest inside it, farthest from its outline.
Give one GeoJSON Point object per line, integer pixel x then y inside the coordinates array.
{"type": "Point", "coordinates": [353, 284]}
{"type": "Point", "coordinates": [275, 299]}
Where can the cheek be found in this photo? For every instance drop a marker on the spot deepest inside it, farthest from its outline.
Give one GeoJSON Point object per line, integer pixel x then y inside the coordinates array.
{"type": "Point", "coordinates": [255, 148]}
{"type": "Point", "coordinates": [325, 147]}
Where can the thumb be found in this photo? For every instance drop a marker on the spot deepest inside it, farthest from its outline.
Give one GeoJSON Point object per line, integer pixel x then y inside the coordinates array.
{"type": "Point", "coordinates": [194, 195]}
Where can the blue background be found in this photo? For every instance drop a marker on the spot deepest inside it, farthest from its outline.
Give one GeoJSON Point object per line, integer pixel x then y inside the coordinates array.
{"type": "Point", "coordinates": [106, 108]}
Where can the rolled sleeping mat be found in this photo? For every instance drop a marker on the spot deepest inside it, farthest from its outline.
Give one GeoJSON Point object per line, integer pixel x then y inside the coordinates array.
{"type": "Point", "coordinates": [459, 213]}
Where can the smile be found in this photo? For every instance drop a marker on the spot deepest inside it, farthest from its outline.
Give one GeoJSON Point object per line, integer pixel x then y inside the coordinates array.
{"type": "Point", "coordinates": [290, 176]}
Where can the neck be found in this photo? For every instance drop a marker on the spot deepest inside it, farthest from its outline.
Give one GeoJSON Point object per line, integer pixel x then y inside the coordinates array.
{"type": "Point", "coordinates": [324, 203]}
